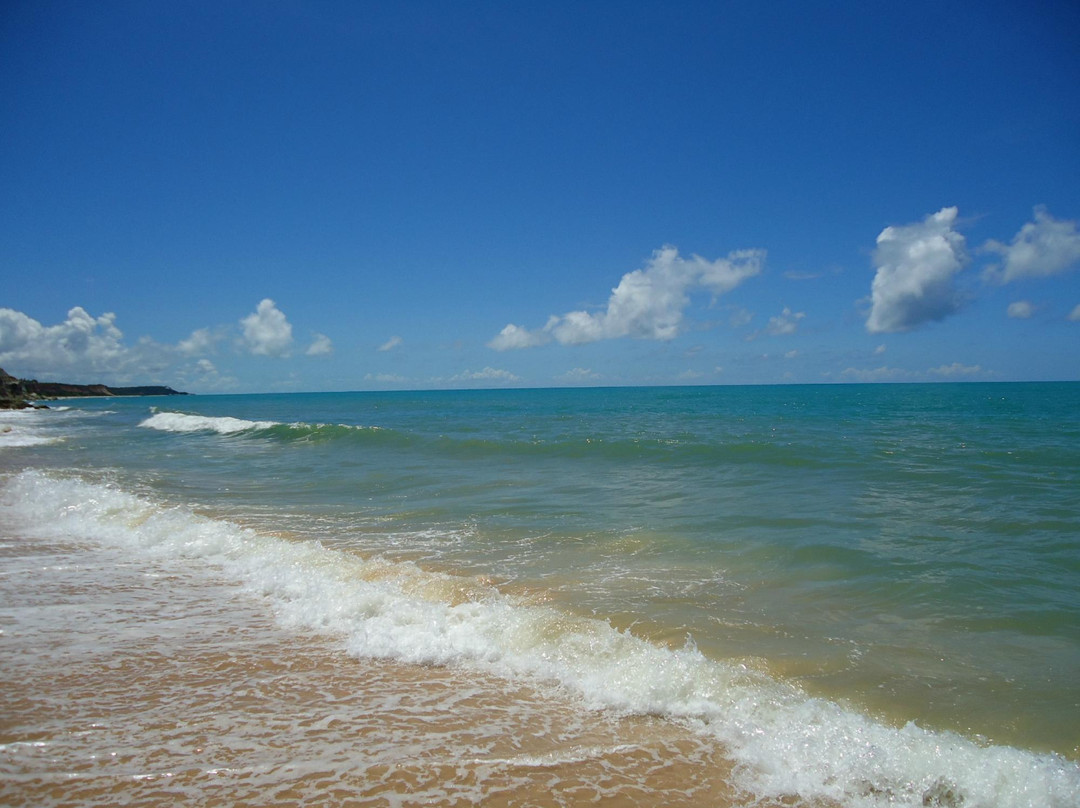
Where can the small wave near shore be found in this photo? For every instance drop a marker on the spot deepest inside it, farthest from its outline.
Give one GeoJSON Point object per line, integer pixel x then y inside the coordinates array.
{"type": "Point", "coordinates": [782, 742]}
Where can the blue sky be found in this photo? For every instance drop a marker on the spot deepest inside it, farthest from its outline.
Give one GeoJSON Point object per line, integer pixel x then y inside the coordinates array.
{"type": "Point", "coordinates": [262, 196]}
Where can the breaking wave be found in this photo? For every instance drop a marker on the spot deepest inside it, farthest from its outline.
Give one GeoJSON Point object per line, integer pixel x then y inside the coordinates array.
{"type": "Point", "coordinates": [615, 448]}
{"type": "Point", "coordinates": [782, 741]}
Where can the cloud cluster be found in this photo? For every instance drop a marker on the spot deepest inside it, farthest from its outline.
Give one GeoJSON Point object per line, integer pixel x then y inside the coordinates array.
{"type": "Point", "coordinates": [916, 266]}
{"type": "Point", "coordinates": [86, 348]}
{"type": "Point", "coordinates": [90, 342]}
{"type": "Point", "coordinates": [956, 370]}
{"type": "Point", "coordinates": [647, 303]}
{"type": "Point", "coordinates": [786, 322]}
{"type": "Point", "coordinates": [488, 374]}
{"type": "Point", "coordinates": [1046, 246]}
{"type": "Point", "coordinates": [579, 376]}
{"type": "Point", "coordinates": [889, 374]}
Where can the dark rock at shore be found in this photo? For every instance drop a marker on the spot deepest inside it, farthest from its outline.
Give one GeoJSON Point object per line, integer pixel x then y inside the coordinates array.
{"type": "Point", "coordinates": [12, 395]}
{"type": "Point", "coordinates": [17, 394]}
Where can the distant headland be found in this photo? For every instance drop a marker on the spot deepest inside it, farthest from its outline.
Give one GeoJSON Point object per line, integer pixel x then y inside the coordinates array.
{"type": "Point", "coordinates": [17, 394]}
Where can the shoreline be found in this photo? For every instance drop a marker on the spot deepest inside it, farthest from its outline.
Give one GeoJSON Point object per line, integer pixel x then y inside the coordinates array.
{"type": "Point", "coordinates": [16, 394]}
{"type": "Point", "coordinates": [191, 688]}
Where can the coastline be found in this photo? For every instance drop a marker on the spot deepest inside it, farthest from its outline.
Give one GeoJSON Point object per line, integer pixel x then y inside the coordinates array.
{"type": "Point", "coordinates": [16, 394]}
{"type": "Point", "coordinates": [192, 691]}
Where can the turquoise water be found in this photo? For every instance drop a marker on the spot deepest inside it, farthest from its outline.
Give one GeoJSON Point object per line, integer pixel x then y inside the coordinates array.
{"type": "Point", "coordinates": [899, 553]}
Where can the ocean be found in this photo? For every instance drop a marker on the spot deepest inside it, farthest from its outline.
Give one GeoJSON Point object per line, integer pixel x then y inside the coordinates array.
{"type": "Point", "coordinates": [843, 595]}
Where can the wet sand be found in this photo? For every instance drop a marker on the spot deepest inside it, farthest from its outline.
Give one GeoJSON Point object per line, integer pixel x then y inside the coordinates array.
{"type": "Point", "coordinates": [135, 684]}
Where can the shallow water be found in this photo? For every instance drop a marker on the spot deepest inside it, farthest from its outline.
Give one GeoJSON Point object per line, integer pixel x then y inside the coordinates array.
{"type": "Point", "coordinates": [132, 683]}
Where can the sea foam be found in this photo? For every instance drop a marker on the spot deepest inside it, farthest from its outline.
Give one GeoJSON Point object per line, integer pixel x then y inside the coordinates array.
{"type": "Point", "coordinates": [21, 428]}
{"type": "Point", "coordinates": [182, 422]}
{"type": "Point", "coordinates": [783, 742]}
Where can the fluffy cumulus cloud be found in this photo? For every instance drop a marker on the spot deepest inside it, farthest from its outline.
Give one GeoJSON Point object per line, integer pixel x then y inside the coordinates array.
{"type": "Point", "coordinates": [85, 348]}
{"type": "Point", "coordinates": [201, 341]}
{"type": "Point", "coordinates": [648, 303]}
{"type": "Point", "coordinates": [1021, 310]}
{"type": "Point", "coordinates": [266, 331]}
{"type": "Point", "coordinates": [390, 344]}
{"type": "Point", "coordinates": [320, 346]}
{"type": "Point", "coordinates": [1045, 246]}
{"type": "Point", "coordinates": [514, 336]}
{"type": "Point", "coordinates": [81, 341]}
{"type": "Point", "coordinates": [916, 269]}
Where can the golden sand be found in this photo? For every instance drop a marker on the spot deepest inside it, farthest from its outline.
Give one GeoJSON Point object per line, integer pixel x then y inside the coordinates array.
{"type": "Point", "coordinates": [126, 684]}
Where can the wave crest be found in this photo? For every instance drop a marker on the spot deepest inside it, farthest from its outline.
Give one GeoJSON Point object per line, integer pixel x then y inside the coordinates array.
{"type": "Point", "coordinates": [182, 422]}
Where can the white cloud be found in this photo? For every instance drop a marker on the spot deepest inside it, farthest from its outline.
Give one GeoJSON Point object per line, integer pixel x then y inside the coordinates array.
{"type": "Point", "coordinates": [689, 375]}
{"type": "Point", "coordinates": [791, 354]}
{"type": "Point", "coordinates": [390, 344]}
{"type": "Point", "coordinates": [86, 349]}
{"type": "Point", "coordinates": [320, 346]}
{"type": "Point", "coordinates": [647, 303]}
{"type": "Point", "coordinates": [787, 322]}
{"type": "Point", "coordinates": [881, 374]}
{"type": "Point", "coordinates": [81, 341]}
{"type": "Point", "coordinates": [1020, 310]}
{"type": "Point", "coordinates": [1046, 246]}
{"type": "Point", "coordinates": [879, 350]}
{"type": "Point", "coordinates": [578, 375]}
{"type": "Point", "coordinates": [916, 265]}
{"type": "Point", "coordinates": [200, 341]}
{"type": "Point", "coordinates": [888, 374]}
{"type": "Point", "coordinates": [487, 374]}
{"type": "Point", "coordinates": [1074, 315]}
{"type": "Point", "coordinates": [956, 369]}
{"type": "Point", "coordinates": [266, 331]}
{"type": "Point", "coordinates": [513, 336]}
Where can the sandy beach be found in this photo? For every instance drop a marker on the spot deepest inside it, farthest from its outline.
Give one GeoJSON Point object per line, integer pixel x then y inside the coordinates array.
{"type": "Point", "coordinates": [124, 684]}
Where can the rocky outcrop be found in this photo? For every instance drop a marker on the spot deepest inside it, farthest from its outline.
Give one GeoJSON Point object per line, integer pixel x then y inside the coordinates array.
{"type": "Point", "coordinates": [19, 393]}
{"type": "Point", "coordinates": [12, 394]}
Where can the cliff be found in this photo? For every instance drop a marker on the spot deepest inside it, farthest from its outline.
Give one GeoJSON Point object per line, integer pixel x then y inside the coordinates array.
{"type": "Point", "coordinates": [18, 393]}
